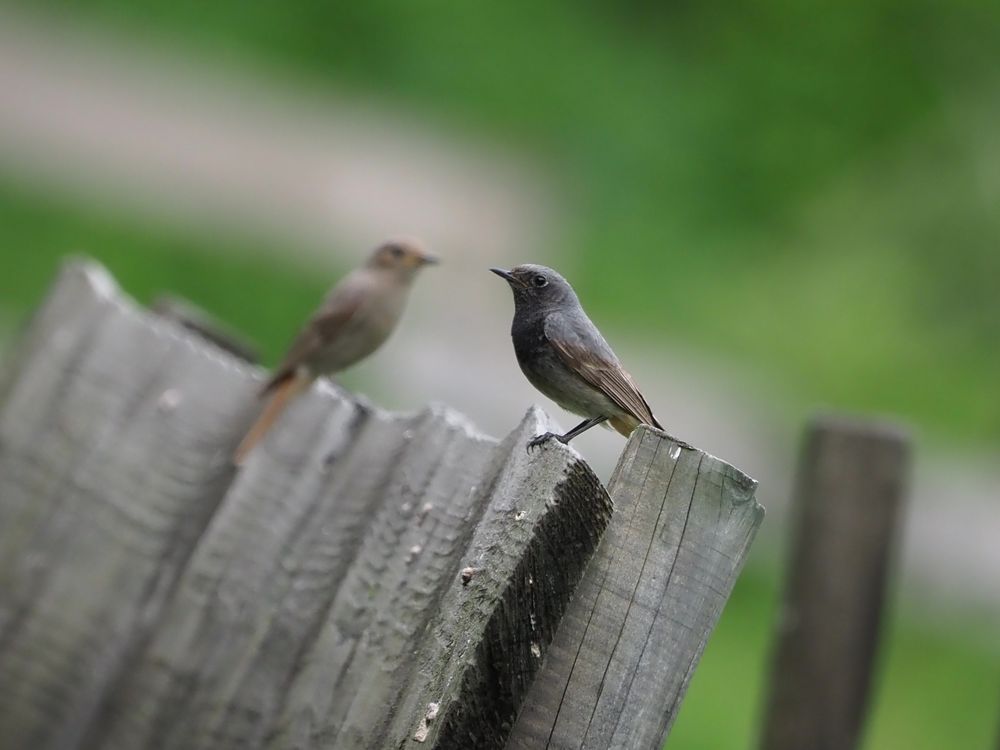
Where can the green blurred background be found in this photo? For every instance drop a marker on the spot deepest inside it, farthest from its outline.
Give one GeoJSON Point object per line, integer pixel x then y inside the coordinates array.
{"type": "Point", "coordinates": [812, 188]}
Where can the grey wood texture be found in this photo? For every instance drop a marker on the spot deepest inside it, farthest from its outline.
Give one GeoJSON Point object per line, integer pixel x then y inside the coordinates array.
{"type": "Point", "coordinates": [113, 456]}
{"type": "Point", "coordinates": [631, 637]}
{"type": "Point", "coordinates": [366, 580]}
{"type": "Point", "coordinates": [851, 488]}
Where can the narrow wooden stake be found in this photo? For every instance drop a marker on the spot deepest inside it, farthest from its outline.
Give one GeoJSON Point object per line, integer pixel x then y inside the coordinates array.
{"type": "Point", "coordinates": [628, 644]}
{"type": "Point", "coordinates": [205, 325]}
{"type": "Point", "coordinates": [848, 502]}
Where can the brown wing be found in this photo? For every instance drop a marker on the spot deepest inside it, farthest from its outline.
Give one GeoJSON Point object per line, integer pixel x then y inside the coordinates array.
{"type": "Point", "coordinates": [321, 331]}
{"type": "Point", "coordinates": [598, 365]}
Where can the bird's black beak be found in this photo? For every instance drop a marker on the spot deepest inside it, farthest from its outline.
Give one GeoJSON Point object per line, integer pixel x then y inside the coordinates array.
{"type": "Point", "coordinates": [507, 276]}
{"type": "Point", "coordinates": [429, 260]}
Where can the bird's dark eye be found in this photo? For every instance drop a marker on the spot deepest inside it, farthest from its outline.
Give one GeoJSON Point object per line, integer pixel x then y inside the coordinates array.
{"type": "Point", "coordinates": [539, 281]}
{"type": "Point", "coordinates": [396, 250]}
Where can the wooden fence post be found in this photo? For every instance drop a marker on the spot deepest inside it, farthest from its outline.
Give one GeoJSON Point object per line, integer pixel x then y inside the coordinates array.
{"type": "Point", "coordinates": [632, 636]}
{"type": "Point", "coordinates": [848, 502]}
{"type": "Point", "coordinates": [365, 580]}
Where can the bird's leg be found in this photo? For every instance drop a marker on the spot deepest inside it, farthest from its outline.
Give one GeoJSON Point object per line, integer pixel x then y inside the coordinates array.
{"type": "Point", "coordinates": [580, 428]}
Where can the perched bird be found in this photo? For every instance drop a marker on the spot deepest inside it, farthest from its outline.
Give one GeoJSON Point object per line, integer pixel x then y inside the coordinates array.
{"type": "Point", "coordinates": [563, 355]}
{"type": "Point", "coordinates": [354, 320]}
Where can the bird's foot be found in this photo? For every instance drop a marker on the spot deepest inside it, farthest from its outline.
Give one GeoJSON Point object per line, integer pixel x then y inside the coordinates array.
{"type": "Point", "coordinates": [540, 440]}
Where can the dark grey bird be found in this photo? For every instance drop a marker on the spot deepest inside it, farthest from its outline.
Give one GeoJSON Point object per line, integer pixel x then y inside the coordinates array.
{"type": "Point", "coordinates": [564, 356]}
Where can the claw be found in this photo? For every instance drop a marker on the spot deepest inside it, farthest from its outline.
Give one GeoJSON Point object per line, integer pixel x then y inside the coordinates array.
{"type": "Point", "coordinates": [540, 440]}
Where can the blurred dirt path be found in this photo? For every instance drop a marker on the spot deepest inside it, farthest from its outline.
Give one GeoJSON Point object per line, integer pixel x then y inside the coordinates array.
{"type": "Point", "coordinates": [183, 143]}
{"type": "Point", "coordinates": [164, 135]}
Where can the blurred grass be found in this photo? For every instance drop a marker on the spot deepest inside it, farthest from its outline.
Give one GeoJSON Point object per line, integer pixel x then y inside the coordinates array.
{"type": "Point", "coordinates": [248, 287]}
{"type": "Point", "coordinates": [935, 688]}
{"type": "Point", "coordinates": [792, 183]}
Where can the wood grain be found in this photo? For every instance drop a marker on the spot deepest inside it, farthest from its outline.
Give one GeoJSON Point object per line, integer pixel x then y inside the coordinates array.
{"type": "Point", "coordinates": [632, 635]}
{"type": "Point", "coordinates": [320, 597]}
{"type": "Point", "coordinates": [113, 458]}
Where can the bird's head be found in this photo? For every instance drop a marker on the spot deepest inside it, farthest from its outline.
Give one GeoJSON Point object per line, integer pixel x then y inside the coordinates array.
{"type": "Point", "coordinates": [401, 258]}
{"type": "Point", "coordinates": [537, 287]}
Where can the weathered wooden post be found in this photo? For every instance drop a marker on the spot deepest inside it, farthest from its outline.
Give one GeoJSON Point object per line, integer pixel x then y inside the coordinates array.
{"type": "Point", "coordinates": [366, 580]}
{"type": "Point", "coordinates": [848, 503]}
{"type": "Point", "coordinates": [153, 597]}
{"type": "Point", "coordinates": [622, 658]}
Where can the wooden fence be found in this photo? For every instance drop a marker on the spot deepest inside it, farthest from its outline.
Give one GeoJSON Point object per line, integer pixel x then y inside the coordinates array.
{"type": "Point", "coordinates": [367, 580]}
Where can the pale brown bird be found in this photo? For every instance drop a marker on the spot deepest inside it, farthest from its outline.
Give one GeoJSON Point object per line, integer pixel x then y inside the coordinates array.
{"type": "Point", "coordinates": [354, 320]}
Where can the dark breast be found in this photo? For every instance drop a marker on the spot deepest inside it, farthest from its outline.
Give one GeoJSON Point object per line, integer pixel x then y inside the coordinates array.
{"type": "Point", "coordinates": [530, 344]}
{"type": "Point", "coordinates": [529, 338]}
{"type": "Point", "coordinates": [538, 360]}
